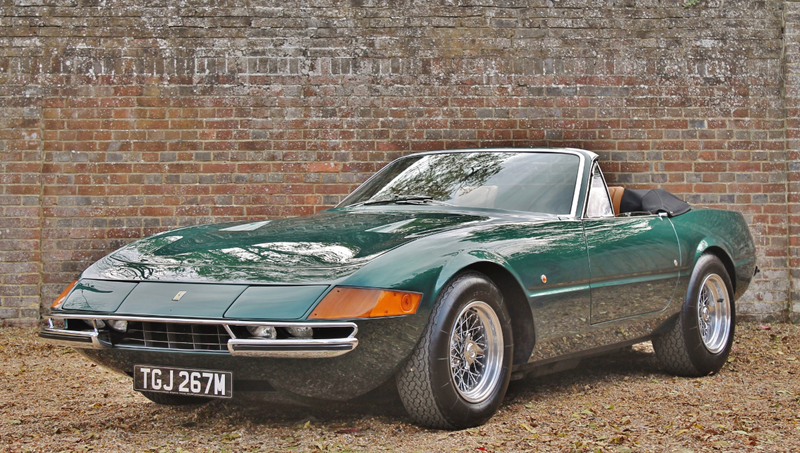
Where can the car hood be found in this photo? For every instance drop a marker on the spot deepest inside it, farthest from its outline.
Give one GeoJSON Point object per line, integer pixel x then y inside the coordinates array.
{"type": "Point", "coordinates": [313, 249]}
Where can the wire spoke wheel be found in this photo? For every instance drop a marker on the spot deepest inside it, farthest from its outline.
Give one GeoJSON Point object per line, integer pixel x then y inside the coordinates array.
{"type": "Point", "coordinates": [714, 313]}
{"type": "Point", "coordinates": [459, 371]}
{"type": "Point", "coordinates": [476, 351]}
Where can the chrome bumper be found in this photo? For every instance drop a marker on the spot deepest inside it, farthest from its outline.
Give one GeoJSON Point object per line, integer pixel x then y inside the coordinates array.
{"type": "Point", "coordinates": [96, 338]}
{"type": "Point", "coordinates": [86, 339]}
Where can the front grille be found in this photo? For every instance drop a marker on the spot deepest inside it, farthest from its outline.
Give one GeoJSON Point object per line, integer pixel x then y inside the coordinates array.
{"type": "Point", "coordinates": [192, 337]}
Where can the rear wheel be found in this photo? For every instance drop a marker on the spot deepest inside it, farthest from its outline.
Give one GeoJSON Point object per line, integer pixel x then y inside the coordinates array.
{"type": "Point", "coordinates": [459, 372]}
{"type": "Point", "coordinates": [700, 340]}
{"type": "Point", "coordinates": [169, 399]}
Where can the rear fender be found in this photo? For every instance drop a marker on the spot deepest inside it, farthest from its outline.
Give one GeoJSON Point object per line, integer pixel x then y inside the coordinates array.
{"type": "Point", "coordinates": [741, 279]}
{"type": "Point", "coordinates": [704, 245]}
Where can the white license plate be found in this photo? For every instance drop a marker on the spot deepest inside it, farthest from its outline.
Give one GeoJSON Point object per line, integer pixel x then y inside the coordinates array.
{"type": "Point", "coordinates": [183, 381]}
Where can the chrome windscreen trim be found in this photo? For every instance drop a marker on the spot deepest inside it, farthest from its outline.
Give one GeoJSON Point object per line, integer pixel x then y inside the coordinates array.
{"type": "Point", "coordinates": [580, 153]}
{"type": "Point", "coordinates": [578, 182]}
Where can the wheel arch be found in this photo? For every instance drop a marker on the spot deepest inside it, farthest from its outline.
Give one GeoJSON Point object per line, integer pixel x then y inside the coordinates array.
{"type": "Point", "coordinates": [723, 256]}
{"type": "Point", "coordinates": [517, 304]}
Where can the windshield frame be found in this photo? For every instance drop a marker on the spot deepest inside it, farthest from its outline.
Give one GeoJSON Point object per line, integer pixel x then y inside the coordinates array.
{"type": "Point", "coordinates": [579, 180]}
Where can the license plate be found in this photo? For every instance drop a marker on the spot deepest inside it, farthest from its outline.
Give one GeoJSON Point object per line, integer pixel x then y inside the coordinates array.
{"type": "Point", "coordinates": [183, 381]}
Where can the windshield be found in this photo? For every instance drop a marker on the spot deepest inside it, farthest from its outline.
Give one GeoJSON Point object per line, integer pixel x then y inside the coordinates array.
{"type": "Point", "coordinates": [518, 181]}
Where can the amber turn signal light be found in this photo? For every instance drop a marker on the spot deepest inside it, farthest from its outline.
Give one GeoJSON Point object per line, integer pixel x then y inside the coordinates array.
{"type": "Point", "coordinates": [63, 296]}
{"type": "Point", "coordinates": [344, 303]}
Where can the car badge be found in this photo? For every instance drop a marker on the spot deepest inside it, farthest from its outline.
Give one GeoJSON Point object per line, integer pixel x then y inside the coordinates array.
{"type": "Point", "coordinates": [178, 296]}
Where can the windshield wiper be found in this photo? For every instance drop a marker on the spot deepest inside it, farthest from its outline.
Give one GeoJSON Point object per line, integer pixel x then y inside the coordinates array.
{"type": "Point", "coordinates": [403, 199]}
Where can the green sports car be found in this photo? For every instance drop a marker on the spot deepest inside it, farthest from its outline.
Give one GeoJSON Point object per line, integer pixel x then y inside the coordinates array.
{"type": "Point", "coordinates": [449, 273]}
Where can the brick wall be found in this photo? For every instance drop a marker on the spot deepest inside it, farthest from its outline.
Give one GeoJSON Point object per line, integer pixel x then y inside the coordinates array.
{"type": "Point", "coordinates": [20, 174]}
{"type": "Point", "coordinates": [121, 119]}
{"type": "Point", "coordinates": [792, 81]}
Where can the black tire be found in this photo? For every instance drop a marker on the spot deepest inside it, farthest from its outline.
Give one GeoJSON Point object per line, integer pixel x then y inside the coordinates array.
{"type": "Point", "coordinates": [699, 341]}
{"type": "Point", "coordinates": [433, 384]}
{"type": "Point", "coordinates": [168, 399]}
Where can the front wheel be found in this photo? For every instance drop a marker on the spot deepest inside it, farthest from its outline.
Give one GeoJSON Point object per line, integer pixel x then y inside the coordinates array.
{"type": "Point", "coordinates": [700, 340]}
{"type": "Point", "coordinates": [459, 372]}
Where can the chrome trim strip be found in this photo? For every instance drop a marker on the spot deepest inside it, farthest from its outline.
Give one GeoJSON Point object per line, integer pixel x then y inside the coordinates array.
{"type": "Point", "coordinates": [307, 349]}
{"type": "Point", "coordinates": [596, 163]}
{"type": "Point", "coordinates": [240, 347]}
{"type": "Point", "coordinates": [222, 322]}
{"type": "Point", "coordinates": [230, 331]}
{"type": "Point", "coordinates": [578, 184]}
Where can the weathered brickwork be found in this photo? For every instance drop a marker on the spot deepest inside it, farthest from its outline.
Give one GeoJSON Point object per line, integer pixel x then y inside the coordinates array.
{"type": "Point", "coordinates": [121, 119]}
{"type": "Point", "coordinates": [20, 181]}
{"type": "Point", "coordinates": [792, 60]}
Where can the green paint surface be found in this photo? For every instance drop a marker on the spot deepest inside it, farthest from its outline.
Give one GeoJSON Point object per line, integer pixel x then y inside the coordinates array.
{"type": "Point", "coordinates": [274, 302]}
{"type": "Point", "coordinates": [199, 301]}
{"type": "Point", "coordinates": [97, 295]}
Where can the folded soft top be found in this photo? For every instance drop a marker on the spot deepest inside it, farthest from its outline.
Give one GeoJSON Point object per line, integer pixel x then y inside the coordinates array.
{"type": "Point", "coordinates": [653, 201]}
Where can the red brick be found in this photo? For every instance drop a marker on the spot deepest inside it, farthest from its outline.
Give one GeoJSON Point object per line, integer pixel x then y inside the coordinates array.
{"type": "Point", "coordinates": [710, 167]}
{"type": "Point", "coordinates": [135, 144]}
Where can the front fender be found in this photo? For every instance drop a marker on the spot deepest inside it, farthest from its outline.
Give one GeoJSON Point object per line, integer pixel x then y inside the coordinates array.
{"type": "Point", "coordinates": [467, 258]}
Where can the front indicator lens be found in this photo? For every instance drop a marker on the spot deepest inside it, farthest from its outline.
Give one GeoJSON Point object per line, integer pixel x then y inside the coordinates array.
{"type": "Point", "coordinates": [347, 303]}
{"type": "Point", "coordinates": [63, 296]}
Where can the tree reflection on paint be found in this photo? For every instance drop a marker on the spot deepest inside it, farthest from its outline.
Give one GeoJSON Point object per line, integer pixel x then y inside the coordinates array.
{"type": "Point", "coordinates": [319, 247]}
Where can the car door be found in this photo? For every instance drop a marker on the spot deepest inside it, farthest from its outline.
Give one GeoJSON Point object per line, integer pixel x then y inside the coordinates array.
{"type": "Point", "coordinates": [633, 260]}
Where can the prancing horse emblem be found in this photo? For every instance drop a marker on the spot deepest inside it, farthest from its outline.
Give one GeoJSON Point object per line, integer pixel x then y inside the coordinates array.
{"type": "Point", "coordinates": [179, 295]}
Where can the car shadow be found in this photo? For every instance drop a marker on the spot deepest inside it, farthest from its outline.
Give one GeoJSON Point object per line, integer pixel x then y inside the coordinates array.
{"type": "Point", "coordinates": [384, 403]}
{"type": "Point", "coordinates": [627, 363]}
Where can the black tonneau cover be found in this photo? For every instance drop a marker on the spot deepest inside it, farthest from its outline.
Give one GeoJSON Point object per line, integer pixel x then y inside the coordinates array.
{"type": "Point", "coordinates": [653, 201]}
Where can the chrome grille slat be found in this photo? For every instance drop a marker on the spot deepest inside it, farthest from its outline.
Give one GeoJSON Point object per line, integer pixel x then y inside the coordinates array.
{"type": "Point", "coordinates": [172, 338]}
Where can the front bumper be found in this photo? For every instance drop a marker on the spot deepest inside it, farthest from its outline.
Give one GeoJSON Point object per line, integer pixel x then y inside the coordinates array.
{"type": "Point", "coordinates": [383, 346]}
{"type": "Point", "coordinates": [90, 332]}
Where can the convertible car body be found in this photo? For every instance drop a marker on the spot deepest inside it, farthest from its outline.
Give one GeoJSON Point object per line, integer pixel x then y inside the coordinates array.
{"type": "Point", "coordinates": [450, 272]}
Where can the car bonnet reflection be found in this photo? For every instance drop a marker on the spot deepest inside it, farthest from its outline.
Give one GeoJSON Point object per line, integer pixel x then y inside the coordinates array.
{"type": "Point", "coordinates": [323, 246]}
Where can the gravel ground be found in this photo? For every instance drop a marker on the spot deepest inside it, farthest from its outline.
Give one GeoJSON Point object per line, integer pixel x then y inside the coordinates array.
{"type": "Point", "coordinates": [51, 399]}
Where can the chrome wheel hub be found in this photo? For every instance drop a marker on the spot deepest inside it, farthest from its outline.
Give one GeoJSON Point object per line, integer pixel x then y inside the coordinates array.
{"type": "Point", "coordinates": [714, 313]}
{"type": "Point", "coordinates": [476, 352]}
{"type": "Point", "coordinates": [471, 352]}
{"type": "Point", "coordinates": [704, 314]}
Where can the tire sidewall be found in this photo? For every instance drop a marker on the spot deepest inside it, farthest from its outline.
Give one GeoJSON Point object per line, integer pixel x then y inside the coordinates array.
{"type": "Point", "coordinates": [464, 290]}
{"type": "Point", "coordinates": [704, 360]}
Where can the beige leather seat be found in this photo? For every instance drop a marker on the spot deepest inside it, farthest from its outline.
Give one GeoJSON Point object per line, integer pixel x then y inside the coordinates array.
{"type": "Point", "coordinates": [616, 197]}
